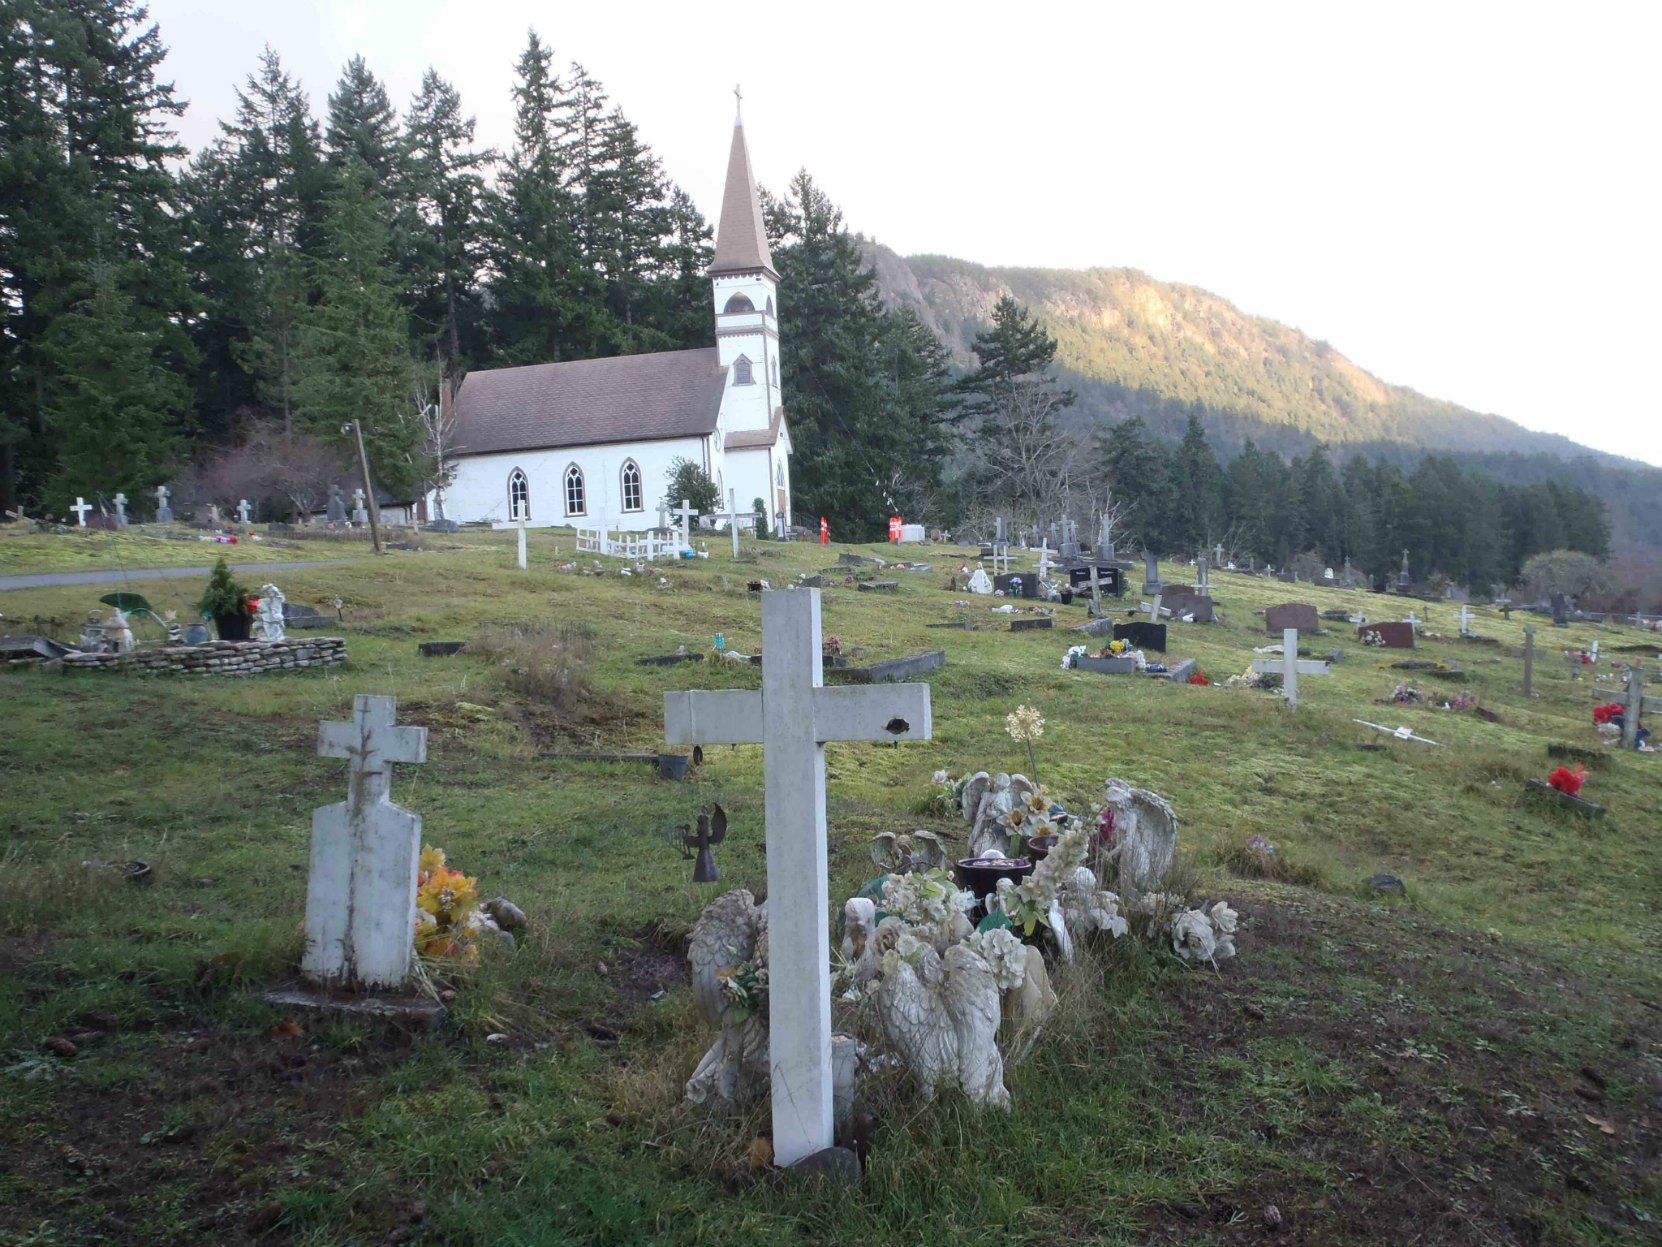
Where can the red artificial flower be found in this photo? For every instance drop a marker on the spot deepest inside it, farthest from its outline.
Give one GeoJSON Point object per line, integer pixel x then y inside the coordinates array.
{"type": "Point", "coordinates": [1105, 827]}
{"type": "Point", "coordinates": [1199, 677]}
{"type": "Point", "coordinates": [1608, 711]}
{"type": "Point", "coordinates": [1567, 781]}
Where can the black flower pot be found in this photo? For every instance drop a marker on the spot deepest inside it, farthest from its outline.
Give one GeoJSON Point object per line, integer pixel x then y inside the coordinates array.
{"type": "Point", "coordinates": [233, 627]}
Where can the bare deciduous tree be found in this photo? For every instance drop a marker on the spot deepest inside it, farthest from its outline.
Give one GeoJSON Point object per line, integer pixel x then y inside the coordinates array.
{"type": "Point", "coordinates": [439, 418]}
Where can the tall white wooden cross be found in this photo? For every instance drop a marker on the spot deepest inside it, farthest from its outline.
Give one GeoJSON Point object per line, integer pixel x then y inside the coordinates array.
{"type": "Point", "coordinates": [686, 512]}
{"type": "Point", "coordinates": [1044, 559]}
{"type": "Point", "coordinates": [794, 717]}
{"type": "Point", "coordinates": [1290, 667]}
{"type": "Point", "coordinates": [81, 508]}
{"type": "Point", "coordinates": [360, 897]}
{"type": "Point", "coordinates": [522, 559]}
{"type": "Point", "coordinates": [732, 517]}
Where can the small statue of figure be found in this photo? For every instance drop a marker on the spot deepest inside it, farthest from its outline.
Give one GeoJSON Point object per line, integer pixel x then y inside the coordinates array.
{"type": "Point", "coordinates": [118, 636]}
{"type": "Point", "coordinates": [92, 632]}
{"type": "Point", "coordinates": [269, 618]}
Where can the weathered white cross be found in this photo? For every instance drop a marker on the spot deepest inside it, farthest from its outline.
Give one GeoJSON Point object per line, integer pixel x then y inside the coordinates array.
{"type": "Point", "coordinates": [162, 495]}
{"type": "Point", "coordinates": [1044, 559]}
{"type": "Point", "coordinates": [358, 507]}
{"type": "Point", "coordinates": [81, 508]}
{"type": "Point", "coordinates": [120, 501]}
{"type": "Point", "coordinates": [731, 515]}
{"type": "Point", "coordinates": [243, 509]}
{"type": "Point", "coordinates": [522, 543]}
{"type": "Point", "coordinates": [1290, 666]}
{"type": "Point", "coordinates": [686, 512]}
{"type": "Point", "coordinates": [1465, 620]}
{"type": "Point", "coordinates": [360, 896]}
{"type": "Point", "coordinates": [794, 717]}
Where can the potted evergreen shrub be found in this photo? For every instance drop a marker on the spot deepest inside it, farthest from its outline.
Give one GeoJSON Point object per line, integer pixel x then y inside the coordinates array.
{"type": "Point", "coordinates": [230, 604]}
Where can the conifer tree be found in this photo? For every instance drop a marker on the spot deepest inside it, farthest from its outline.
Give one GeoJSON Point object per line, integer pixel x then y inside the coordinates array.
{"type": "Point", "coordinates": [353, 358]}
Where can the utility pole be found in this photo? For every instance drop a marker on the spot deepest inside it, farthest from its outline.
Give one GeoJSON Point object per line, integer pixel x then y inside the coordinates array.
{"type": "Point", "coordinates": [369, 490]}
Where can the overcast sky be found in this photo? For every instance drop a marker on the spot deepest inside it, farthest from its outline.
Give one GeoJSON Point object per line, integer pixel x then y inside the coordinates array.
{"type": "Point", "coordinates": [1462, 198]}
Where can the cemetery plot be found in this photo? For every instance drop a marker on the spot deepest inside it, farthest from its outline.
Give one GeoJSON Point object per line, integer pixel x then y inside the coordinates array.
{"type": "Point", "coordinates": [1393, 634]}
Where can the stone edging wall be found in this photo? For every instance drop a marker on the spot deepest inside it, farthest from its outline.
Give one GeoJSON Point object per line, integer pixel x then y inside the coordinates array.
{"type": "Point", "coordinates": [218, 657]}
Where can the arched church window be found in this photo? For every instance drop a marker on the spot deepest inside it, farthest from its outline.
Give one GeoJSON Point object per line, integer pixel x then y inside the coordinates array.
{"type": "Point", "coordinates": [741, 371]}
{"type": "Point", "coordinates": [770, 305]}
{"type": "Point", "coordinates": [739, 303]}
{"type": "Point", "coordinates": [632, 500]}
{"type": "Point", "coordinates": [575, 495]}
{"type": "Point", "coordinates": [779, 476]}
{"type": "Point", "coordinates": [519, 496]}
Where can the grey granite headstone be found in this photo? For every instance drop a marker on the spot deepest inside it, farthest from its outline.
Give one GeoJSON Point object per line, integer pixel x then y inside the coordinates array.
{"type": "Point", "coordinates": [1300, 615]}
{"type": "Point", "coordinates": [336, 514]}
{"type": "Point", "coordinates": [1151, 572]}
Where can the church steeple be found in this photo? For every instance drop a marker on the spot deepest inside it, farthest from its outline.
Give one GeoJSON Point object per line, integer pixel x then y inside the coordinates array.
{"type": "Point", "coordinates": [741, 241]}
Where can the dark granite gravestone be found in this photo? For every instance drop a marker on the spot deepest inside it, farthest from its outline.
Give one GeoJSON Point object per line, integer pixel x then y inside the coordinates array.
{"type": "Point", "coordinates": [1184, 600]}
{"type": "Point", "coordinates": [445, 526]}
{"type": "Point", "coordinates": [1028, 625]}
{"type": "Point", "coordinates": [886, 586]}
{"type": "Point", "coordinates": [1141, 635]}
{"type": "Point", "coordinates": [1110, 579]}
{"type": "Point", "coordinates": [336, 510]}
{"type": "Point", "coordinates": [1107, 666]}
{"type": "Point", "coordinates": [440, 649]}
{"type": "Point", "coordinates": [1300, 615]}
{"type": "Point", "coordinates": [299, 615]}
{"type": "Point", "coordinates": [896, 669]}
{"type": "Point", "coordinates": [1287, 576]}
{"type": "Point", "coordinates": [1151, 572]}
{"type": "Point", "coordinates": [1395, 633]}
{"type": "Point", "coordinates": [1025, 586]}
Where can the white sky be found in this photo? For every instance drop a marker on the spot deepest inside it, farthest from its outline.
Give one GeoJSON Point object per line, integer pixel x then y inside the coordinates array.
{"type": "Point", "coordinates": [1462, 198]}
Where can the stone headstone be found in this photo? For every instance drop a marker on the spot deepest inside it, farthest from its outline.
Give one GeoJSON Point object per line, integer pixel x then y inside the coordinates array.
{"type": "Point", "coordinates": [444, 526]}
{"type": "Point", "coordinates": [164, 513]}
{"type": "Point", "coordinates": [1024, 586]}
{"type": "Point", "coordinates": [1287, 576]}
{"type": "Point", "coordinates": [1140, 635]}
{"type": "Point", "coordinates": [1300, 615]}
{"type": "Point", "coordinates": [359, 514]}
{"type": "Point", "coordinates": [1151, 572]}
{"type": "Point", "coordinates": [360, 894]}
{"type": "Point", "coordinates": [1560, 611]}
{"type": "Point", "coordinates": [1392, 634]}
{"type": "Point", "coordinates": [336, 513]}
{"type": "Point", "coordinates": [1404, 581]}
{"type": "Point", "coordinates": [120, 501]}
{"type": "Point", "coordinates": [1184, 600]}
{"type": "Point", "coordinates": [793, 717]}
{"type": "Point", "coordinates": [244, 511]}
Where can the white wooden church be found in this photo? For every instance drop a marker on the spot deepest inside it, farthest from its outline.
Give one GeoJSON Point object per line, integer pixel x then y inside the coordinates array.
{"type": "Point", "coordinates": [589, 443]}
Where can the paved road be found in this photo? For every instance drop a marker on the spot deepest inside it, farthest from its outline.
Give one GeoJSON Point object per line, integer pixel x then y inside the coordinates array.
{"type": "Point", "coordinates": [46, 580]}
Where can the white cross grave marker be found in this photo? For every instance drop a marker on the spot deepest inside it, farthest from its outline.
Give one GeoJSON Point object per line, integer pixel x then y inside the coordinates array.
{"type": "Point", "coordinates": [359, 515]}
{"type": "Point", "coordinates": [795, 716]}
{"type": "Point", "coordinates": [81, 508]}
{"type": "Point", "coordinates": [1290, 666]}
{"type": "Point", "coordinates": [360, 896]}
{"type": "Point", "coordinates": [686, 512]}
{"type": "Point", "coordinates": [243, 509]}
{"type": "Point", "coordinates": [120, 501]}
{"type": "Point", "coordinates": [522, 543]}
{"type": "Point", "coordinates": [164, 513]}
{"type": "Point", "coordinates": [1465, 621]}
{"type": "Point", "coordinates": [731, 515]}
{"type": "Point", "coordinates": [1044, 559]}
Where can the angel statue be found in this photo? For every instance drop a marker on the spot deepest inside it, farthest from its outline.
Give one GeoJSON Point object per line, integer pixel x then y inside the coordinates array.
{"type": "Point", "coordinates": [940, 1013]}
{"type": "Point", "coordinates": [987, 805]}
{"type": "Point", "coordinates": [729, 957]}
{"type": "Point", "coordinates": [1145, 837]}
{"type": "Point", "coordinates": [901, 855]}
{"type": "Point", "coordinates": [269, 618]}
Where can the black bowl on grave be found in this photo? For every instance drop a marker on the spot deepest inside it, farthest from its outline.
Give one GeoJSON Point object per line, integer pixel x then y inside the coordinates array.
{"type": "Point", "coordinates": [981, 876]}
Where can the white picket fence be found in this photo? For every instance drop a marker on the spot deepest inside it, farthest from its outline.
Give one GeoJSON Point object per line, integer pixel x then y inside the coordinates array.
{"type": "Point", "coordinates": [628, 545]}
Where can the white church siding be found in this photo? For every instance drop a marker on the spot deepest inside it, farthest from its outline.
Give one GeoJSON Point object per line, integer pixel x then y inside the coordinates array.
{"type": "Point", "coordinates": [480, 490]}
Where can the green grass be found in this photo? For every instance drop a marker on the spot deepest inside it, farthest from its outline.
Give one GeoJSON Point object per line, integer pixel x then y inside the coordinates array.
{"type": "Point", "coordinates": [1162, 1103]}
{"type": "Point", "coordinates": [75, 550]}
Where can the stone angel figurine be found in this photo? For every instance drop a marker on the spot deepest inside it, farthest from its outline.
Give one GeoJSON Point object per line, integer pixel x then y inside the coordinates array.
{"type": "Point", "coordinates": [729, 958]}
{"type": "Point", "coordinates": [940, 1013]}
{"type": "Point", "coordinates": [901, 855]}
{"type": "Point", "coordinates": [1145, 838]}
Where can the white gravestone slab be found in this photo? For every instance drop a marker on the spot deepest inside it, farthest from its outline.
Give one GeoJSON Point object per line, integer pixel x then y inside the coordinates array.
{"type": "Point", "coordinates": [360, 896]}
{"type": "Point", "coordinates": [795, 716]}
{"type": "Point", "coordinates": [80, 508]}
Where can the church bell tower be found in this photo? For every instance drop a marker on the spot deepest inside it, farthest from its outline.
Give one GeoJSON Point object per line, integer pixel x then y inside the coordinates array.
{"type": "Point", "coordinates": [746, 291]}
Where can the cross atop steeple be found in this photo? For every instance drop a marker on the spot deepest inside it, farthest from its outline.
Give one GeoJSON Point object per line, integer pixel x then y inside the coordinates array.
{"type": "Point", "coordinates": [738, 107]}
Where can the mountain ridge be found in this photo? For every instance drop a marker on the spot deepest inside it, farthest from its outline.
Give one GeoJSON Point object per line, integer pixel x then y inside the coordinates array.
{"type": "Point", "coordinates": [1132, 345]}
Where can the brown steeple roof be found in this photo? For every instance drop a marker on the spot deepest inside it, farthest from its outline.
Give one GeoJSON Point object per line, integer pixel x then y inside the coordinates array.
{"type": "Point", "coordinates": [741, 242]}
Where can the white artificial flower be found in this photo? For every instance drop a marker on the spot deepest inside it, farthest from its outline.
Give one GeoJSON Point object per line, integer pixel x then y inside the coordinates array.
{"type": "Point", "coordinates": [941, 779]}
{"type": "Point", "coordinates": [1192, 937]}
{"type": "Point", "coordinates": [1024, 723]}
{"type": "Point", "coordinates": [1006, 954]}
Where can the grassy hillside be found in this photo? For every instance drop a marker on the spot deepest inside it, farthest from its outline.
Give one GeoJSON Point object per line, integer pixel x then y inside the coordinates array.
{"type": "Point", "coordinates": [1474, 1063]}
{"type": "Point", "coordinates": [1132, 345]}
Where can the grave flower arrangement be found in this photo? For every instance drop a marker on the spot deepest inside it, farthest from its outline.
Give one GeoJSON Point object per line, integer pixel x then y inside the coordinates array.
{"type": "Point", "coordinates": [223, 596]}
{"type": "Point", "coordinates": [1026, 724]}
{"type": "Point", "coordinates": [448, 917]}
{"type": "Point", "coordinates": [1611, 712]}
{"type": "Point", "coordinates": [1567, 781]}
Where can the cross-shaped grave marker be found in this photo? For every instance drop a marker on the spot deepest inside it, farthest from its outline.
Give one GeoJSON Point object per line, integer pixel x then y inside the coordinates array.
{"type": "Point", "coordinates": [359, 515]}
{"type": "Point", "coordinates": [360, 896]}
{"type": "Point", "coordinates": [164, 513]}
{"type": "Point", "coordinates": [120, 501]}
{"type": "Point", "coordinates": [794, 716]}
{"type": "Point", "coordinates": [1044, 559]}
{"type": "Point", "coordinates": [522, 551]}
{"type": "Point", "coordinates": [1290, 666]}
{"type": "Point", "coordinates": [1465, 621]}
{"type": "Point", "coordinates": [731, 515]}
{"type": "Point", "coordinates": [686, 512]}
{"type": "Point", "coordinates": [81, 508]}
{"type": "Point", "coordinates": [243, 510]}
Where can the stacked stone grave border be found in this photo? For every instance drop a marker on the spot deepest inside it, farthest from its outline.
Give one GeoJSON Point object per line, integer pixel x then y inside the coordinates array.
{"type": "Point", "coordinates": [234, 658]}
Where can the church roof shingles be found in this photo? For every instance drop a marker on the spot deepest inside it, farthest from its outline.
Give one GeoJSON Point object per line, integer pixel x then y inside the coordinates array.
{"type": "Point", "coordinates": [626, 398]}
{"type": "Point", "coordinates": [741, 241]}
